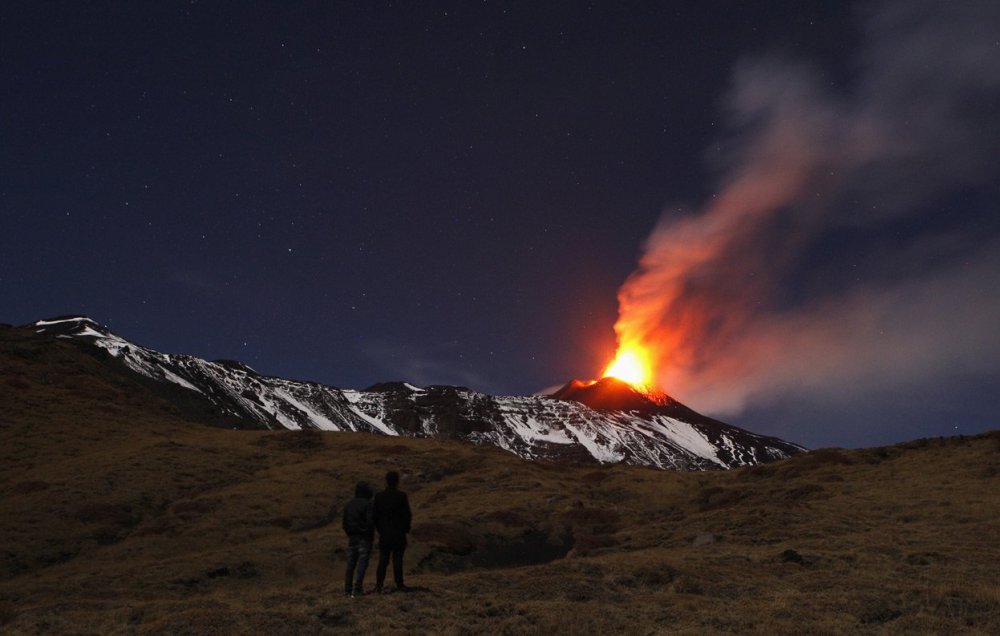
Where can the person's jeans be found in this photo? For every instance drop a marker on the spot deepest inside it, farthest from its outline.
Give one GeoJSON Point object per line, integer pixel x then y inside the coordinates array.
{"type": "Point", "coordinates": [384, 552]}
{"type": "Point", "coordinates": [358, 551]}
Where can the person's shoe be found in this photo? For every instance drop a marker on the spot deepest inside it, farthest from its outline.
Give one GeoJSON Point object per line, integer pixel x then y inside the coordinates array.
{"type": "Point", "coordinates": [403, 588]}
{"type": "Point", "coordinates": [358, 592]}
{"type": "Point", "coordinates": [379, 590]}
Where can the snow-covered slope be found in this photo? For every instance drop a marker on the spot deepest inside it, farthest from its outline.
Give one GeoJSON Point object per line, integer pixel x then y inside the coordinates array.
{"type": "Point", "coordinates": [634, 429]}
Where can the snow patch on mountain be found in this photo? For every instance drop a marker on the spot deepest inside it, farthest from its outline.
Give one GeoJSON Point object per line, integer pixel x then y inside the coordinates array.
{"type": "Point", "coordinates": [176, 379]}
{"type": "Point", "coordinates": [686, 436]}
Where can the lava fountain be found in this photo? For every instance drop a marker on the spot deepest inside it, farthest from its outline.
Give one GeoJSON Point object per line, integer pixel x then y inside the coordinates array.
{"type": "Point", "coordinates": [631, 364]}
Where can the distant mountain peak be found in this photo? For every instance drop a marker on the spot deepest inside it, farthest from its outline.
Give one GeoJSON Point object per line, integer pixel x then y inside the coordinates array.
{"type": "Point", "coordinates": [393, 387]}
{"type": "Point", "coordinates": [73, 318]}
{"type": "Point", "coordinates": [71, 326]}
{"type": "Point", "coordinates": [236, 364]}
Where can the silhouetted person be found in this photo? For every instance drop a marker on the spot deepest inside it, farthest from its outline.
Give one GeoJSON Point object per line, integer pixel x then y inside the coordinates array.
{"type": "Point", "coordinates": [359, 524]}
{"type": "Point", "coordinates": [392, 519]}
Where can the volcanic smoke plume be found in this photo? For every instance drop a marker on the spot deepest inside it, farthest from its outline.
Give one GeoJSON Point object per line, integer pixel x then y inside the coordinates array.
{"type": "Point", "coordinates": [853, 240]}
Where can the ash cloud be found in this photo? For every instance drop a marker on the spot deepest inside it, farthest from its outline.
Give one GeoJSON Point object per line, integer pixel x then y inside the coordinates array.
{"type": "Point", "coordinates": [853, 244]}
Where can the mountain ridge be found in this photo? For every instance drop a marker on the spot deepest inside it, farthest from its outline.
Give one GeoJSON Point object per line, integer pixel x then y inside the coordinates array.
{"type": "Point", "coordinates": [603, 422]}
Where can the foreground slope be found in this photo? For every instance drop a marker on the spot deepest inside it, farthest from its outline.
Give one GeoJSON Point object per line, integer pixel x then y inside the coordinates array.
{"type": "Point", "coordinates": [634, 430]}
{"type": "Point", "coordinates": [119, 516]}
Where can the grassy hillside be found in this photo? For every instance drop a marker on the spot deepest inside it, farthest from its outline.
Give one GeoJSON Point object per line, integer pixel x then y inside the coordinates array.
{"type": "Point", "coordinates": [117, 516]}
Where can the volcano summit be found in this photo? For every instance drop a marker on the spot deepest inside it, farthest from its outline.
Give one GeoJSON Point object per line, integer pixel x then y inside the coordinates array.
{"type": "Point", "coordinates": [607, 421]}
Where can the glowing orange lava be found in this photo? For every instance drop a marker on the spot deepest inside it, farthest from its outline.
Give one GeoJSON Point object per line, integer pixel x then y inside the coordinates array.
{"type": "Point", "coordinates": [631, 365]}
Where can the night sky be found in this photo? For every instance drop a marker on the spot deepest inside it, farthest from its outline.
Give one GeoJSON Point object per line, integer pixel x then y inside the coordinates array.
{"type": "Point", "coordinates": [455, 193]}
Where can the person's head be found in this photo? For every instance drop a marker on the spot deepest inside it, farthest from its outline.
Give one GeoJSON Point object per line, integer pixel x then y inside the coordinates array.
{"type": "Point", "coordinates": [363, 490]}
{"type": "Point", "coordinates": [392, 479]}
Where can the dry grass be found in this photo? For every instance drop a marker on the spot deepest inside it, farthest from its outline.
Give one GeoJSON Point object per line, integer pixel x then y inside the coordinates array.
{"type": "Point", "coordinates": [119, 517]}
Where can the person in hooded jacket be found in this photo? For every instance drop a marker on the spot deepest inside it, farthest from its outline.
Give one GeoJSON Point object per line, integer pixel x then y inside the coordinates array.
{"type": "Point", "coordinates": [359, 525]}
{"type": "Point", "coordinates": [392, 519]}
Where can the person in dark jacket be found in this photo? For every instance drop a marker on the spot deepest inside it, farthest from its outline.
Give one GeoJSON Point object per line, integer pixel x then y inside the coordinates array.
{"type": "Point", "coordinates": [392, 519]}
{"type": "Point", "coordinates": [359, 525]}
